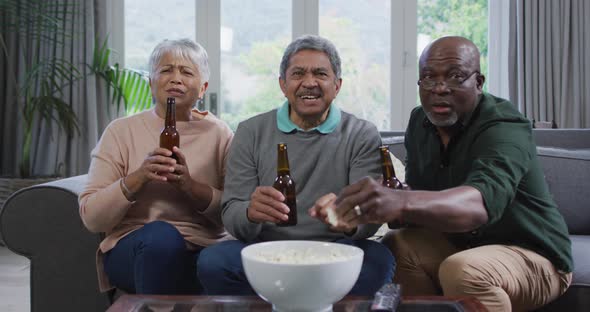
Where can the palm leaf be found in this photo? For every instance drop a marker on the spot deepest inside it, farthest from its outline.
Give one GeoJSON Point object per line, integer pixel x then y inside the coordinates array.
{"type": "Point", "coordinates": [125, 86]}
{"type": "Point", "coordinates": [52, 75]}
{"type": "Point", "coordinates": [51, 108]}
{"type": "Point", "coordinates": [144, 98]}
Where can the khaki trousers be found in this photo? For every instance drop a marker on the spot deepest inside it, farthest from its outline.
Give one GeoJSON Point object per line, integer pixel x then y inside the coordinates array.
{"type": "Point", "coordinates": [502, 277]}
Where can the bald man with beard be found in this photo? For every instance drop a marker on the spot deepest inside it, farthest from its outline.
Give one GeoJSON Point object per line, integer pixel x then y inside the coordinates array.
{"type": "Point", "coordinates": [483, 221]}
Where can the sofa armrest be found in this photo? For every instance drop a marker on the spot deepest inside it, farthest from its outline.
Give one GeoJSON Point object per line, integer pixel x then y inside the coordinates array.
{"type": "Point", "coordinates": [42, 223]}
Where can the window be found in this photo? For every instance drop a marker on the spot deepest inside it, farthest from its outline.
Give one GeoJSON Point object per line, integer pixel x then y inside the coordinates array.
{"type": "Point", "coordinates": [360, 31]}
{"type": "Point", "coordinates": [253, 37]}
{"type": "Point", "coordinates": [379, 42]}
{"type": "Point", "coordinates": [147, 22]}
{"type": "Point", "coordinates": [437, 18]}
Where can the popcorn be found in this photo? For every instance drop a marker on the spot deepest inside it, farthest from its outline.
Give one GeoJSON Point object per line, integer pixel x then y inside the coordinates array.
{"type": "Point", "coordinates": [302, 256]}
{"type": "Point", "coordinates": [332, 217]}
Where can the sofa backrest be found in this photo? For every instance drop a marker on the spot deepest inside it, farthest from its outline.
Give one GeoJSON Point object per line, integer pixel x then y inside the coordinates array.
{"type": "Point", "coordinates": [395, 141]}
{"type": "Point", "coordinates": [567, 172]}
{"type": "Point", "coordinates": [562, 138]}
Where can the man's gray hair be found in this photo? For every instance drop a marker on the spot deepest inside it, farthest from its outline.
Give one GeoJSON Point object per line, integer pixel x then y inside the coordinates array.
{"type": "Point", "coordinates": [184, 48]}
{"type": "Point", "coordinates": [311, 42]}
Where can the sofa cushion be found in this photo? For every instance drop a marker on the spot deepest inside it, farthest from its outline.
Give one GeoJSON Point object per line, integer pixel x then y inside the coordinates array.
{"type": "Point", "coordinates": [577, 297]}
{"type": "Point", "coordinates": [566, 172]}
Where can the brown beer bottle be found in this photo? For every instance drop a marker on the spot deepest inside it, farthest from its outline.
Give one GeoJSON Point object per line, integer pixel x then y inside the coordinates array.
{"type": "Point", "coordinates": [389, 178]}
{"type": "Point", "coordinates": [169, 136]}
{"type": "Point", "coordinates": [285, 184]}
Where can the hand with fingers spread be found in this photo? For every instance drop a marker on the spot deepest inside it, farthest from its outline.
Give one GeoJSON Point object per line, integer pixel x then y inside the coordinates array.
{"type": "Point", "coordinates": [267, 205]}
{"type": "Point", "coordinates": [367, 201]}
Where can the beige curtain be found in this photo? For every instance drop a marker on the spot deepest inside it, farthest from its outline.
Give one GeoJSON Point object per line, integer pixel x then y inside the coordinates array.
{"type": "Point", "coordinates": [549, 75]}
{"type": "Point", "coordinates": [53, 151]}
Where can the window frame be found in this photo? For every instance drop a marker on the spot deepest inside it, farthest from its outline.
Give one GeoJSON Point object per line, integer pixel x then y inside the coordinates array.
{"type": "Point", "coordinates": [403, 32]}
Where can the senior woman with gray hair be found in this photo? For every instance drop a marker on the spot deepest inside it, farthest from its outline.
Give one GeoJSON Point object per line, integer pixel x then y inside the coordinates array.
{"type": "Point", "coordinates": [159, 213]}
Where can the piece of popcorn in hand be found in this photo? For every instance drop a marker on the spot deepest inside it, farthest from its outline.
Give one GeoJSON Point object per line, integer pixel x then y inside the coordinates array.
{"type": "Point", "coordinates": [332, 217]}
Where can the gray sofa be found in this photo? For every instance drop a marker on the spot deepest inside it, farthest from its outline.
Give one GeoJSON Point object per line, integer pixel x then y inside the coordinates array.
{"type": "Point", "coordinates": [42, 223]}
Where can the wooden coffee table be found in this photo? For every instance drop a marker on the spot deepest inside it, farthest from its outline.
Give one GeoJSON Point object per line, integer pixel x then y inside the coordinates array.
{"type": "Point", "coordinates": [146, 303]}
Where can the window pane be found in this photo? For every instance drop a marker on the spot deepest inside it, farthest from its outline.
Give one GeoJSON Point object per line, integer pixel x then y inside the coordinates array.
{"type": "Point", "coordinates": [467, 18]}
{"type": "Point", "coordinates": [147, 22]}
{"type": "Point", "coordinates": [253, 37]}
{"type": "Point", "coordinates": [360, 29]}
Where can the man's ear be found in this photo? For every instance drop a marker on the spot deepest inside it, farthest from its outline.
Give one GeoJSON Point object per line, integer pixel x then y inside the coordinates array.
{"type": "Point", "coordinates": [480, 79]}
{"type": "Point", "coordinates": [283, 85]}
{"type": "Point", "coordinates": [338, 85]}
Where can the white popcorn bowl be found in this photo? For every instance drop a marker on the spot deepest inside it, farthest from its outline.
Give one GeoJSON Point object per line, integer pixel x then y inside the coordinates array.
{"type": "Point", "coordinates": [302, 287]}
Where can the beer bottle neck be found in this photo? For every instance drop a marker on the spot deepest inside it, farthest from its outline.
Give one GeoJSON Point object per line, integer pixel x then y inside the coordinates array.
{"type": "Point", "coordinates": [282, 161]}
{"type": "Point", "coordinates": [170, 115]}
{"type": "Point", "coordinates": [387, 165]}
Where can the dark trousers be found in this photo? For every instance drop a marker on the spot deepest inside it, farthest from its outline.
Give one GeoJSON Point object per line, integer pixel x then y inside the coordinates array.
{"type": "Point", "coordinates": [221, 272]}
{"type": "Point", "coordinates": [153, 260]}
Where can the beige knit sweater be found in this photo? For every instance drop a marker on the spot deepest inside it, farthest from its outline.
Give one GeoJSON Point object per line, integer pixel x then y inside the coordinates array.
{"type": "Point", "coordinates": [122, 149]}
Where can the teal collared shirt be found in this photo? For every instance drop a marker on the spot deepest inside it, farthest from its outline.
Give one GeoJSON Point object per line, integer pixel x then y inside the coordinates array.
{"type": "Point", "coordinates": [285, 124]}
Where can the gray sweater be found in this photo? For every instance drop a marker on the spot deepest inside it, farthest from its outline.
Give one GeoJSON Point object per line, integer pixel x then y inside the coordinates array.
{"type": "Point", "coordinates": [319, 163]}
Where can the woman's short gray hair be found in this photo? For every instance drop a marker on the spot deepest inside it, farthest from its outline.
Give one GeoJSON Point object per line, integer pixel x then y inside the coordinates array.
{"type": "Point", "coordinates": [184, 48]}
{"type": "Point", "coordinates": [311, 42]}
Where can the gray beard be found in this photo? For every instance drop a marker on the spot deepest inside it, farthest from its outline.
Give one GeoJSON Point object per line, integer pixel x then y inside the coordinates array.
{"type": "Point", "coordinates": [445, 122]}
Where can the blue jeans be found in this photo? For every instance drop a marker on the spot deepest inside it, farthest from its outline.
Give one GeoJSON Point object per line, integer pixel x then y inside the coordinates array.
{"type": "Point", "coordinates": [153, 260]}
{"type": "Point", "coordinates": [221, 272]}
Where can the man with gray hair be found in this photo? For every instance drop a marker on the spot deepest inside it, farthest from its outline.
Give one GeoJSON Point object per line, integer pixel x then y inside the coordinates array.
{"type": "Point", "coordinates": [328, 150]}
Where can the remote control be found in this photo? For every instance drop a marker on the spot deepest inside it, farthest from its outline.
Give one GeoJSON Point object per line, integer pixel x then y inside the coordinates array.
{"type": "Point", "coordinates": [387, 298]}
